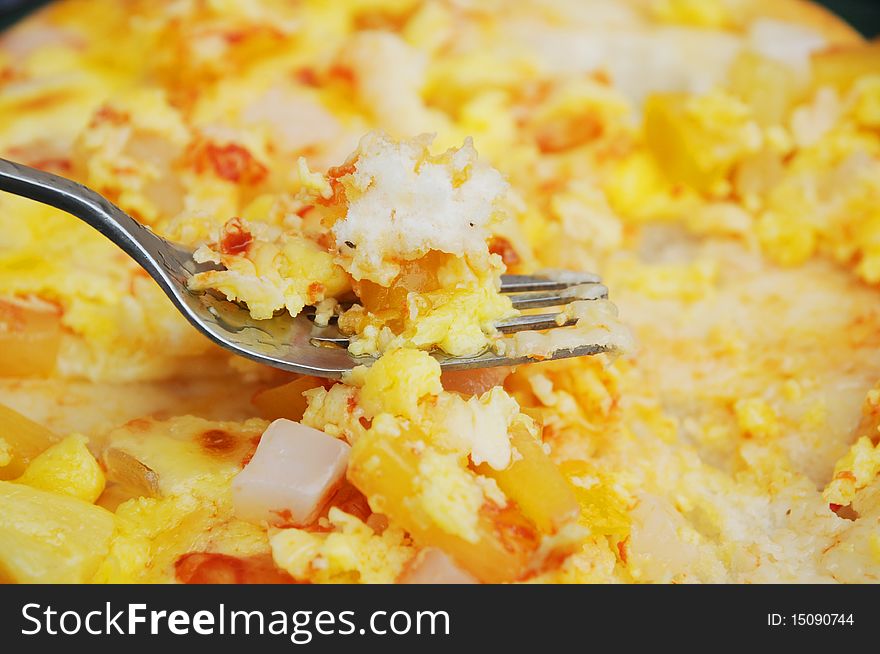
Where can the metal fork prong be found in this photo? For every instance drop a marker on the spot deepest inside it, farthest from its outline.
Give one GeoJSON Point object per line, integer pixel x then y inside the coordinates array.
{"type": "Point", "coordinates": [534, 300]}
{"type": "Point", "coordinates": [534, 322]}
{"type": "Point", "coordinates": [329, 335]}
{"type": "Point", "coordinates": [525, 283]}
{"type": "Point", "coordinates": [557, 298]}
{"type": "Point", "coordinates": [534, 293]}
{"type": "Point", "coordinates": [489, 359]}
{"type": "Point", "coordinates": [341, 341]}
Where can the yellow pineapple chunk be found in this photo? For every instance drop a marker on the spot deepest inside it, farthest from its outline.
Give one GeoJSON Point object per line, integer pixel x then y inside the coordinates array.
{"type": "Point", "coordinates": [285, 401]}
{"type": "Point", "coordinates": [840, 67]}
{"type": "Point", "coordinates": [66, 468]}
{"type": "Point", "coordinates": [29, 337]}
{"type": "Point", "coordinates": [603, 509]}
{"type": "Point", "coordinates": [386, 470]}
{"type": "Point", "coordinates": [697, 140]}
{"type": "Point", "coordinates": [769, 87]}
{"type": "Point", "coordinates": [698, 13]}
{"type": "Point", "coordinates": [673, 144]}
{"type": "Point", "coordinates": [21, 440]}
{"type": "Point", "coordinates": [50, 538]}
{"type": "Point", "coordinates": [534, 482]}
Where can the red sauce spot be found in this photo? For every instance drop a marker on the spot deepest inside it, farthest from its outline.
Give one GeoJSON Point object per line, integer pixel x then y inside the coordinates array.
{"type": "Point", "coordinates": [315, 291]}
{"type": "Point", "coordinates": [351, 404]}
{"type": "Point", "coordinates": [334, 173]}
{"type": "Point", "coordinates": [621, 549]}
{"type": "Point", "coordinates": [108, 114]}
{"type": "Point", "coordinates": [231, 162]}
{"type": "Point", "coordinates": [515, 532]}
{"type": "Point", "coordinates": [285, 518]}
{"type": "Point", "coordinates": [602, 77]}
{"type": "Point", "coordinates": [235, 37]}
{"type": "Point", "coordinates": [212, 568]}
{"type": "Point", "coordinates": [341, 73]}
{"type": "Point", "coordinates": [502, 247]}
{"type": "Point", "coordinates": [555, 558]}
{"type": "Point", "coordinates": [835, 507]}
{"type": "Point", "coordinates": [302, 211]}
{"type": "Point", "coordinates": [255, 441]}
{"type": "Point", "coordinates": [236, 238]}
{"type": "Point", "coordinates": [307, 76]}
{"type": "Point", "coordinates": [217, 441]}
{"type": "Point", "coordinates": [325, 240]}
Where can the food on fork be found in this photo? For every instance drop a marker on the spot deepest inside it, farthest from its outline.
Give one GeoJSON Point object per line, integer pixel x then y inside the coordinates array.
{"type": "Point", "coordinates": [718, 162]}
{"type": "Point", "coordinates": [409, 234]}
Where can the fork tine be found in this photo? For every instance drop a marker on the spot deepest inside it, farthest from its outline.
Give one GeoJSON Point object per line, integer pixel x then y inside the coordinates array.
{"type": "Point", "coordinates": [536, 291]}
{"type": "Point", "coordinates": [525, 292]}
{"type": "Point", "coordinates": [554, 299]}
{"type": "Point", "coordinates": [329, 335]}
{"type": "Point", "coordinates": [534, 322]}
{"type": "Point", "coordinates": [525, 283]}
{"type": "Point", "coordinates": [489, 359]}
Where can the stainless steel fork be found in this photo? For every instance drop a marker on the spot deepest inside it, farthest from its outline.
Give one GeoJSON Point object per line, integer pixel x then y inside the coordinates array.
{"type": "Point", "coordinates": [294, 344]}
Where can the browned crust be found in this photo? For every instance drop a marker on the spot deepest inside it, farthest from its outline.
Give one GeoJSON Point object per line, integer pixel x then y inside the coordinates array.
{"type": "Point", "coordinates": [801, 12]}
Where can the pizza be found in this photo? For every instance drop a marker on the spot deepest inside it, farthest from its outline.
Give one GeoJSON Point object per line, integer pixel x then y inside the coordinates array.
{"type": "Point", "coordinates": [380, 164]}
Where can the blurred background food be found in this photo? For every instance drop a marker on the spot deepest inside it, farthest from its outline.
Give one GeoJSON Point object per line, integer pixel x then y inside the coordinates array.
{"type": "Point", "coordinates": [863, 14]}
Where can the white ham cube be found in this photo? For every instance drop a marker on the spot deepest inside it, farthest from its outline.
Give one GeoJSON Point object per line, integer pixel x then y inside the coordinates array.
{"type": "Point", "coordinates": [433, 566]}
{"type": "Point", "coordinates": [290, 475]}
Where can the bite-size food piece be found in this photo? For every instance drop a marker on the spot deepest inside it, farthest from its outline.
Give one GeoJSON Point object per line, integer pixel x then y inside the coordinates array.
{"type": "Point", "coordinates": [47, 537]}
{"type": "Point", "coordinates": [21, 441]}
{"type": "Point", "coordinates": [30, 334]}
{"type": "Point", "coordinates": [433, 566]}
{"type": "Point", "coordinates": [290, 476]}
{"type": "Point", "coordinates": [411, 233]}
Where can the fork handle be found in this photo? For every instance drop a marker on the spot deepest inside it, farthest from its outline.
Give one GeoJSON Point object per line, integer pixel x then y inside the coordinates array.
{"type": "Point", "coordinates": [84, 203]}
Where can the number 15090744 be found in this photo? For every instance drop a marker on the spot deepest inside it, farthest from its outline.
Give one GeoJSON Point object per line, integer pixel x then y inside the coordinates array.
{"type": "Point", "coordinates": [810, 620]}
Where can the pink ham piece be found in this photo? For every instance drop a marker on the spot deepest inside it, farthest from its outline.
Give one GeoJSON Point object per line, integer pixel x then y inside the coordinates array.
{"type": "Point", "coordinates": [433, 566]}
{"type": "Point", "coordinates": [290, 475]}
